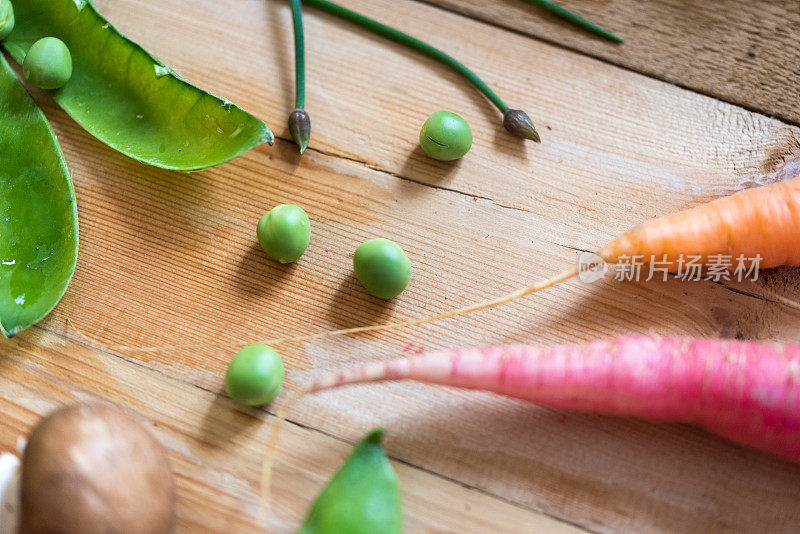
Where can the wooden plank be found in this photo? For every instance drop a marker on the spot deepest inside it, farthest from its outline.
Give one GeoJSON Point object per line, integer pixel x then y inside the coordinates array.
{"type": "Point", "coordinates": [156, 269]}
{"type": "Point", "coordinates": [216, 447]}
{"type": "Point", "coordinates": [616, 144]}
{"type": "Point", "coordinates": [747, 53]}
{"type": "Point", "coordinates": [172, 259]}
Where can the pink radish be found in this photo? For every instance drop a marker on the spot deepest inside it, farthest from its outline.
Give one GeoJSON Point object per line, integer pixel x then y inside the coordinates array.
{"type": "Point", "coordinates": [745, 391]}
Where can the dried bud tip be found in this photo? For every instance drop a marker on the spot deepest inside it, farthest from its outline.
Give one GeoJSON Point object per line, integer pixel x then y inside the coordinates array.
{"type": "Point", "coordinates": [518, 123]}
{"type": "Point", "coordinates": [300, 128]}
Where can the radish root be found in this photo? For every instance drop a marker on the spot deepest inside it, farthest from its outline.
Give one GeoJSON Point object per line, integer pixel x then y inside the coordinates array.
{"type": "Point", "coordinates": [269, 456]}
{"type": "Point", "coordinates": [505, 299]}
{"type": "Point", "coordinates": [518, 294]}
{"type": "Point", "coordinates": [510, 297]}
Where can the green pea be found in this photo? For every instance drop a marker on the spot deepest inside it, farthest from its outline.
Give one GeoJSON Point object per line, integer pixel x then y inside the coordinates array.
{"type": "Point", "coordinates": [445, 136]}
{"type": "Point", "coordinates": [382, 267]}
{"type": "Point", "coordinates": [6, 18]}
{"type": "Point", "coordinates": [284, 232]}
{"type": "Point", "coordinates": [363, 497]}
{"type": "Point", "coordinates": [255, 375]}
{"type": "Point", "coordinates": [48, 64]}
{"type": "Point", "coordinates": [127, 99]}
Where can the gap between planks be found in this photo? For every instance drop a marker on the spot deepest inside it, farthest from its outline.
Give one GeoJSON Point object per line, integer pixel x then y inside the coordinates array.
{"type": "Point", "coordinates": [574, 50]}
{"type": "Point", "coordinates": [399, 176]}
{"type": "Point", "coordinates": [272, 419]}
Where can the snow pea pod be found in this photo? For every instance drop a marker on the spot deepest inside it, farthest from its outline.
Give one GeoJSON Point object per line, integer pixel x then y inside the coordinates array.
{"type": "Point", "coordinates": [38, 218]}
{"type": "Point", "coordinates": [128, 99]}
{"type": "Point", "coordinates": [362, 497]}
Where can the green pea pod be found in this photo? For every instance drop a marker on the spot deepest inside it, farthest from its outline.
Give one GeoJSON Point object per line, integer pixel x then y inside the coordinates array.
{"type": "Point", "coordinates": [128, 99]}
{"type": "Point", "coordinates": [362, 497]}
{"type": "Point", "coordinates": [38, 218]}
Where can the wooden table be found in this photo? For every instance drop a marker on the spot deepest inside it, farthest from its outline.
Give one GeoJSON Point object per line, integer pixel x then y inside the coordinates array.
{"type": "Point", "coordinates": [701, 100]}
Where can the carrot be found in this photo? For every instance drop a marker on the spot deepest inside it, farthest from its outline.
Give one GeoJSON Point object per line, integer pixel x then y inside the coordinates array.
{"type": "Point", "coordinates": [747, 392]}
{"type": "Point", "coordinates": [763, 220]}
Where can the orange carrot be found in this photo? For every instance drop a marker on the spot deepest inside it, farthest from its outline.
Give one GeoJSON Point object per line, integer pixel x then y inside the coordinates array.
{"type": "Point", "coordinates": [745, 391]}
{"type": "Point", "coordinates": [761, 221]}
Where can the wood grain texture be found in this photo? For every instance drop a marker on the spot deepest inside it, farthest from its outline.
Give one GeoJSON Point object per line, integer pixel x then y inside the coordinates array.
{"type": "Point", "coordinates": [747, 53]}
{"type": "Point", "coordinates": [170, 259]}
{"type": "Point", "coordinates": [216, 447]}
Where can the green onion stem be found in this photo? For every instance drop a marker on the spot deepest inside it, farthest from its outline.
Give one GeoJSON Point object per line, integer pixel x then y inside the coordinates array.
{"type": "Point", "coordinates": [412, 42]}
{"type": "Point", "coordinates": [576, 19]}
{"type": "Point", "coordinates": [299, 55]}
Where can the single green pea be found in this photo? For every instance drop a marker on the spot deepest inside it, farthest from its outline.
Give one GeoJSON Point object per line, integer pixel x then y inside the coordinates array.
{"type": "Point", "coordinates": [48, 64]}
{"type": "Point", "coordinates": [445, 136]}
{"type": "Point", "coordinates": [255, 375]}
{"type": "Point", "coordinates": [6, 18]}
{"type": "Point", "coordinates": [382, 267]}
{"type": "Point", "coordinates": [284, 232]}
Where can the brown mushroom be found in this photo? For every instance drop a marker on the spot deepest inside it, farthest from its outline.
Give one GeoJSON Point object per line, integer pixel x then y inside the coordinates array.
{"type": "Point", "coordinates": [90, 468]}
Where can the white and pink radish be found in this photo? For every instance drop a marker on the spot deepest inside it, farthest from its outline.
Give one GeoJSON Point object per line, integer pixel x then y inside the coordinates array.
{"type": "Point", "coordinates": [748, 392]}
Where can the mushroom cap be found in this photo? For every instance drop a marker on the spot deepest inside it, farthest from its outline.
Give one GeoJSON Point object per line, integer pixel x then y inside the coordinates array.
{"type": "Point", "coordinates": [90, 468]}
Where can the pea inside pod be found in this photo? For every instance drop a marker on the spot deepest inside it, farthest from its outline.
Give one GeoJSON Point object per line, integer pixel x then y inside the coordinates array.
{"type": "Point", "coordinates": [129, 100]}
{"type": "Point", "coordinates": [38, 217]}
{"type": "Point", "coordinates": [6, 18]}
{"type": "Point", "coordinates": [362, 497]}
{"type": "Point", "coordinates": [48, 64]}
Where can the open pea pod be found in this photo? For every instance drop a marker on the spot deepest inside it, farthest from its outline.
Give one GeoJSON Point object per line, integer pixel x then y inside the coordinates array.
{"type": "Point", "coordinates": [38, 218]}
{"type": "Point", "coordinates": [362, 497]}
{"type": "Point", "coordinates": [128, 99]}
